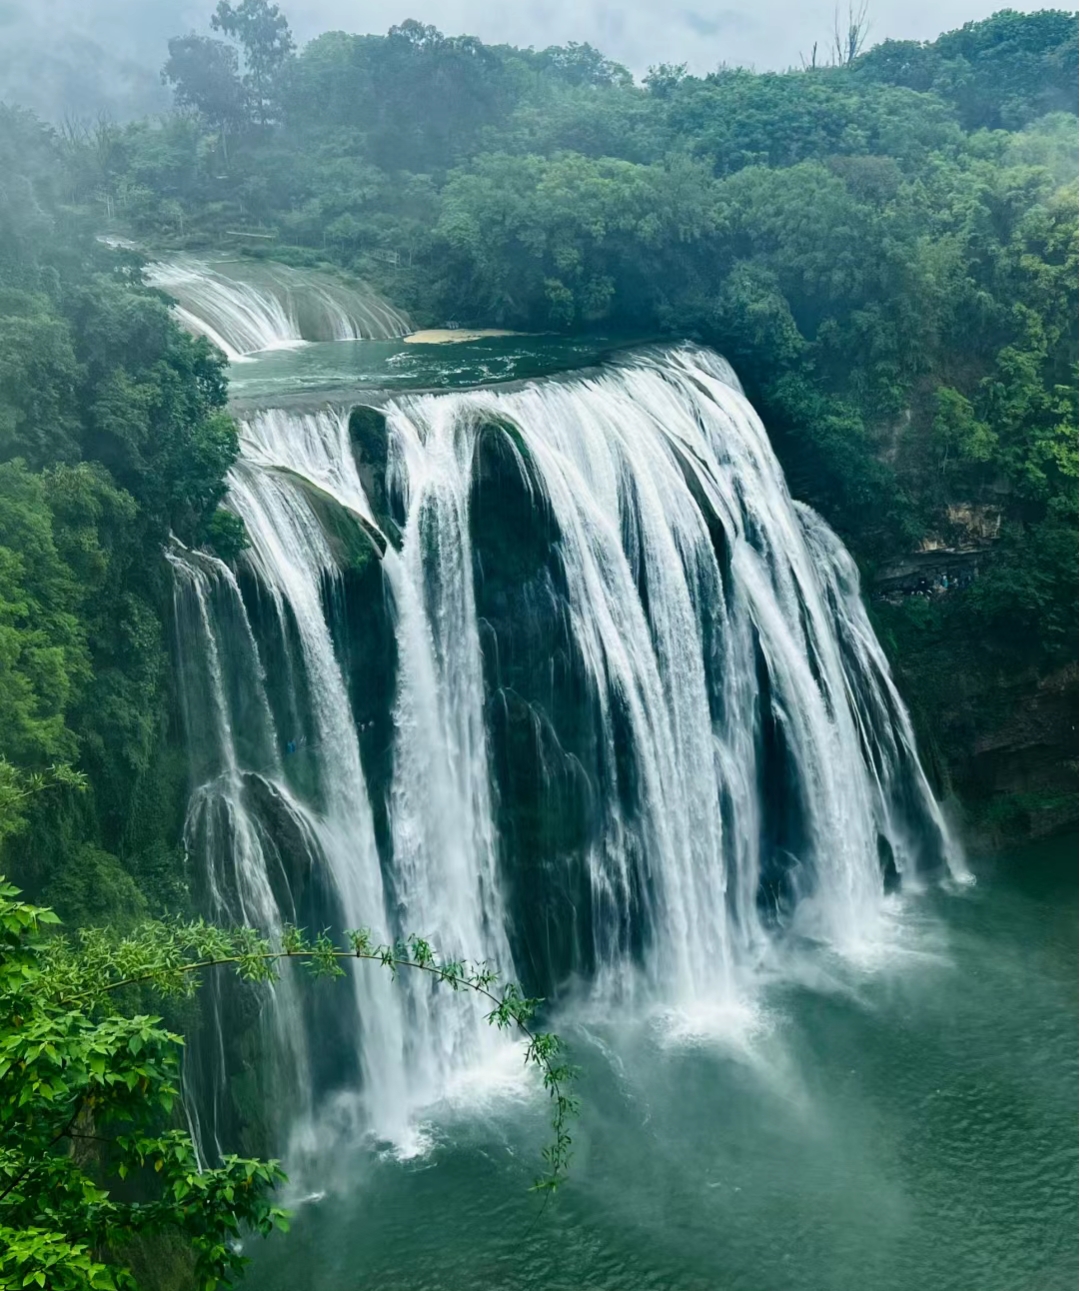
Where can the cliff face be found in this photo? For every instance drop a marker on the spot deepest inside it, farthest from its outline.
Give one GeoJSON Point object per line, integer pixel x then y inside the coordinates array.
{"type": "Point", "coordinates": [994, 699]}
{"type": "Point", "coordinates": [1025, 765]}
{"type": "Point", "coordinates": [1004, 743]}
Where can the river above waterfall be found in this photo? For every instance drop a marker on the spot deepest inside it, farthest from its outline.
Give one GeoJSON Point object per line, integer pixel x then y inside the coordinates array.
{"type": "Point", "coordinates": [906, 1122]}
{"type": "Point", "coordinates": [330, 371]}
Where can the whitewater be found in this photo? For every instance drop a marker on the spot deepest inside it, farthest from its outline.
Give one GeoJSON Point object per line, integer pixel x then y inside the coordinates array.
{"type": "Point", "coordinates": [247, 307]}
{"type": "Point", "coordinates": [751, 769]}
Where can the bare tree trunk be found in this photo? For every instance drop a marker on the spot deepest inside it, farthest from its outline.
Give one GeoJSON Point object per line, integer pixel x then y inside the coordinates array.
{"type": "Point", "coordinates": [810, 63]}
{"type": "Point", "coordinates": [848, 42]}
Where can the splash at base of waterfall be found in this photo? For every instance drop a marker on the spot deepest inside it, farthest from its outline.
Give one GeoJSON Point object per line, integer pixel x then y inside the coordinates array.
{"type": "Point", "coordinates": [909, 1126]}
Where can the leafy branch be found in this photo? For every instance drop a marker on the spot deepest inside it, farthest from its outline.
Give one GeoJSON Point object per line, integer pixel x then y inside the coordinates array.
{"type": "Point", "coordinates": [17, 787]}
{"type": "Point", "coordinates": [168, 956]}
{"type": "Point", "coordinates": [88, 1081]}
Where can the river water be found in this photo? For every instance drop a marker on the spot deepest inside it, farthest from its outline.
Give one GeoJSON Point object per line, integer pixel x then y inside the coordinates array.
{"type": "Point", "coordinates": [902, 1120]}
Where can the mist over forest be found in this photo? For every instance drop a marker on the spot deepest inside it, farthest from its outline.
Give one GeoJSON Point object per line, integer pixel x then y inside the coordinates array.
{"type": "Point", "coordinates": [64, 58]}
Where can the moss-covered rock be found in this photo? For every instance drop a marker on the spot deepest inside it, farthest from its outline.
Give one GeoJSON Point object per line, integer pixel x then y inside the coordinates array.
{"type": "Point", "coordinates": [1000, 739]}
{"type": "Point", "coordinates": [353, 541]}
{"type": "Point", "coordinates": [540, 713]}
{"type": "Point", "coordinates": [371, 449]}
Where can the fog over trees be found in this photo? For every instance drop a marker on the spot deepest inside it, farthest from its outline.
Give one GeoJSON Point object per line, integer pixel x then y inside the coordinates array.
{"type": "Point", "coordinates": [63, 57]}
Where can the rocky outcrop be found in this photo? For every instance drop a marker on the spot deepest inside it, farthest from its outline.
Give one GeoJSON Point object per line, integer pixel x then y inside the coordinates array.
{"type": "Point", "coordinates": [1027, 763]}
{"type": "Point", "coordinates": [1005, 744]}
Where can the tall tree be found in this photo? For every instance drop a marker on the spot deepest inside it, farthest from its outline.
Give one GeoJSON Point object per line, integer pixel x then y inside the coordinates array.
{"type": "Point", "coordinates": [262, 31]}
{"type": "Point", "coordinates": [849, 36]}
{"type": "Point", "coordinates": [205, 76]}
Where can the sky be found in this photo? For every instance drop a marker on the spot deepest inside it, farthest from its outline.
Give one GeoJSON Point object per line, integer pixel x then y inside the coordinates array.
{"type": "Point", "coordinates": [767, 34]}
{"type": "Point", "coordinates": [72, 56]}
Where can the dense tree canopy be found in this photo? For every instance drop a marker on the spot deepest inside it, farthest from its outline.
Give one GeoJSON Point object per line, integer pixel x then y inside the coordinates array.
{"type": "Point", "coordinates": [113, 436]}
{"type": "Point", "coordinates": [1001, 73]}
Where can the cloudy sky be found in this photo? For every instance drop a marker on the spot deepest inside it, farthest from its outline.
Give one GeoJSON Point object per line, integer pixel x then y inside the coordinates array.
{"type": "Point", "coordinates": [765, 34]}
{"type": "Point", "coordinates": [64, 55]}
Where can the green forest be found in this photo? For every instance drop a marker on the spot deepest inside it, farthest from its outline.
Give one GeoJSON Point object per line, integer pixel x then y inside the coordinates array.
{"type": "Point", "coordinates": [885, 248]}
{"type": "Point", "coordinates": [884, 245]}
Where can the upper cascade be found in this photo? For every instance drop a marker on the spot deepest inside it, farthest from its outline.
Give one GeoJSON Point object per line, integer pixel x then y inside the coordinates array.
{"type": "Point", "coordinates": [247, 306]}
{"type": "Point", "coordinates": [560, 677]}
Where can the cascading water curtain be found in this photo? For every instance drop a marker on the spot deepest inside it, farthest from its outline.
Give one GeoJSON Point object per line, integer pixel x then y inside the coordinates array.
{"type": "Point", "coordinates": [245, 308]}
{"type": "Point", "coordinates": [593, 591]}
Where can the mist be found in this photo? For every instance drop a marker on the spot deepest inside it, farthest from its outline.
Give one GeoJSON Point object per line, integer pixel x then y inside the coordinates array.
{"type": "Point", "coordinates": [63, 58]}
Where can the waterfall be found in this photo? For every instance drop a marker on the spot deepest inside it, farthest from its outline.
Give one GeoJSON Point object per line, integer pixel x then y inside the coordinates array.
{"type": "Point", "coordinates": [245, 307]}
{"type": "Point", "coordinates": [223, 694]}
{"type": "Point", "coordinates": [573, 686]}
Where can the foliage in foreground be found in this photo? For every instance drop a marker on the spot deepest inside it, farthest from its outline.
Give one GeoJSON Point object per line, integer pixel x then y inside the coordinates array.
{"type": "Point", "coordinates": [91, 1157]}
